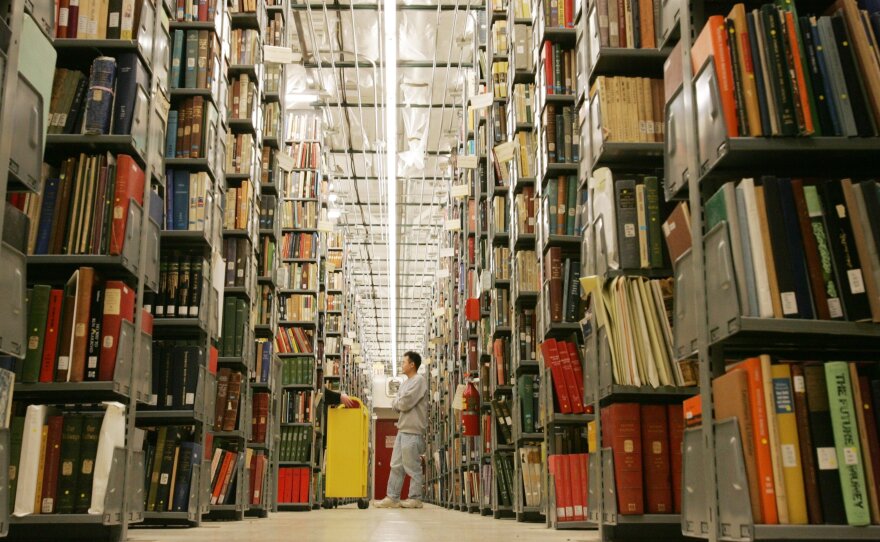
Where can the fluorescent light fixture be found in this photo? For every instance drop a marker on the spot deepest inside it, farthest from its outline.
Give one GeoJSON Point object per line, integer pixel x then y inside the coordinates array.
{"type": "Point", "coordinates": [389, 8]}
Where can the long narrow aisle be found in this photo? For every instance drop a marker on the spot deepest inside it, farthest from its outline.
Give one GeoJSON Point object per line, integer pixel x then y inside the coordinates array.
{"type": "Point", "coordinates": [348, 524]}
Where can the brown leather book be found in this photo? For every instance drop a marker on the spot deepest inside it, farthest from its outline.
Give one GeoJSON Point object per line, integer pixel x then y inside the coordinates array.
{"type": "Point", "coordinates": [811, 251]}
{"type": "Point", "coordinates": [731, 393]}
{"type": "Point", "coordinates": [85, 285]}
{"type": "Point", "coordinates": [868, 464]}
{"type": "Point", "coordinates": [677, 231]}
{"type": "Point", "coordinates": [189, 112]}
{"type": "Point", "coordinates": [672, 72]}
{"type": "Point", "coordinates": [50, 466]}
{"type": "Point", "coordinates": [655, 459]}
{"type": "Point", "coordinates": [646, 28]}
{"type": "Point", "coordinates": [195, 150]}
{"type": "Point", "coordinates": [220, 401]}
{"type": "Point", "coordinates": [768, 250]}
{"type": "Point", "coordinates": [805, 440]}
{"type": "Point", "coordinates": [233, 398]}
{"type": "Point", "coordinates": [553, 271]}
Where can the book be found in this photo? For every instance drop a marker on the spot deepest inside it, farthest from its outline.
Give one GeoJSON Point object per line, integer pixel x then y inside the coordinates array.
{"type": "Point", "coordinates": [622, 433]}
{"type": "Point", "coordinates": [789, 445]}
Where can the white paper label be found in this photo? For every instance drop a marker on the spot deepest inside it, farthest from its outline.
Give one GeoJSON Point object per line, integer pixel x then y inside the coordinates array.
{"type": "Point", "coordinates": [657, 447]}
{"type": "Point", "coordinates": [799, 386]}
{"type": "Point", "coordinates": [841, 211]}
{"type": "Point", "coordinates": [629, 230]}
{"type": "Point", "coordinates": [789, 456]}
{"type": "Point", "coordinates": [460, 190]}
{"type": "Point", "coordinates": [505, 152]}
{"type": "Point", "coordinates": [190, 399]}
{"type": "Point", "coordinates": [835, 308]}
{"type": "Point", "coordinates": [278, 55]}
{"type": "Point", "coordinates": [453, 224]}
{"type": "Point", "coordinates": [481, 100]}
{"type": "Point", "coordinates": [163, 478]}
{"type": "Point", "coordinates": [468, 161]}
{"type": "Point", "coordinates": [856, 284]}
{"type": "Point", "coordinates": [108, 341]}
{"type": "Point", "coordinates": [827, 458]}
{"type": "Point", "coordinates": [62, 16]}
{"type": "Point", "coordinates": [628, 446]}
{"type": "Point", "coordinates": [447, 252]}
{"type": "Point", "coordinates": [850, 456]}
{"type": "Point", "coordinates": [789, 303]}
{"type": "Point", "coordinates": [285, 162]}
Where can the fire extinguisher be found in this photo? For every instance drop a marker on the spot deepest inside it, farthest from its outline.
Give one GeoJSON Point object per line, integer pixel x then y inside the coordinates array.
{"type": "Point", "coordinates": [470, 413]}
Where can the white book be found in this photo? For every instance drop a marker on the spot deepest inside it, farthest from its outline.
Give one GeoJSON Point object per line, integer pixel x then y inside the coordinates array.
{"type": "Point", "coordinates": [746, 190]}
{"type": "Point", "coordinates": [28, 465]}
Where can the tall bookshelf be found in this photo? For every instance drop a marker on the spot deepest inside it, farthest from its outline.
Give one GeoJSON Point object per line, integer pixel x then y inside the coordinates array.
{"type": "Point", "coordinates": [77, 385]}
{"type": "Point", "coordinates": [714, 451]}
{"type": "Point", "coordinates": [298, 336]}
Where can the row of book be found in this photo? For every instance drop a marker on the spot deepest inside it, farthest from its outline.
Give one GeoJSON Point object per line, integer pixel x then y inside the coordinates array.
{"type": "Point", "coordinates": [266, 307]}
{"type": "Point", "coordinates": [301, 184]}
{"type": "Point", "coordinates": [500, 307]}
{"type": "Point", "coordinates": [243, 97]}
{"type": "Point", "coordinates": [809, 437]}
{"type": "Point", "coordinates": [527, 271]}
{"type": "Point", "coordinates": [297, 308]}
{"type": "Point", "coordinates": [299, 214]}
{"type": "Point", "coordinates": [226, 471]}
{"type": "Point", "coordinates": [265, 360]}
{"type": "Point", "coordinates": [240, 153]}
{"type": "Point", "coordinates": [188, 127]}
{"type": "Point", "coordinates": [237, 252]}
{"type": "Point", "coordinates": [294, 340]}
{"type": "Point", "coordinates": [73, 332]}
{"type": "Point", "coordinates": [260, 417]}
{"type": "Point", "coordinates": [259, 471]}
{"type": "Point", "coordinates": [299, 246]}
{"type": "Point", "coordinates": [181, 275]}
{"type": "Point", "coordinates": [504, 473]}
{"type": "Point", "coordinates": [524, 210]}
{"type": "Point", "coordinates": [522, 102]}
{"type": "Point", "coordinates": [202, 11]}
{"type": "Point", "coordinates": [562, 302]}
{"type": "Point", "coordinates": [788, 75]}
{"type": "Point", "coordinates": [275, 32]}
{"type": "Point", "coordinates": [633, 24]}
{"type": "Point", "coordinates": [503, 414]}
{"type": "Point", "coordinates": [521, 40]}
{"type": "Point", "coordinates": [246, 47]}
{"type": "Point", "coordinates": [195, 59]}
{"type": "Point", "coordinates": [560, 205]}
{"type": "Point", "coordinates": [239, 205]}
{"type": "Point", "coordinates": [188, 200]}
{"type": "Point", "coordinates": [501, 259]}
{"type": "Point", "coordinates": [243, 6]}
{"type": "Point", "coordinates": [306, 155]}
{"type": "Point", "coordinates": [499, 122]}
{"type": "Point", "coordinates": [628, 211]}
{"type": "Point", "coordinates": [297, 371]}
{"type": "Point", "coordinates": [559, 14]}
{"type": "Point", "coordinates": [85, 203]}
{"type": "Point", "coordinates": [268, 204]}
{"type": "Point", "coordinates": [296, 443]}
{"type": "Point", "coordinates": [293, 485]}
{"type": "Point", "coordinates": [645, 441]}
{"type": "Point", "coordinates": [169, 455]}
{"type": "Point", "coordinates": [803, 249]}
{"type": "Point", "coordinates": [335, 280]}
{"type": "Point", "coordinates": [562, 134]}
{"type": "Point", "coordinates": [526, 334]}
{"type": "Point", "coordinates": [571, 477]}
{"type": "Point", "coordinates": [175, 375]}
{"type": "Point", "coordinates": [531, 466]}
{"type": "Point", "coordinates": [236, 318]}
{"type": "Point", "coordinates": [298, 276]}
{"type": "Point", "coordinates": [528, 388]}
{"type": "Point", "coordinates": [96, 19]}
{"type": "Point", "coordinates": [499, 38]}
{"type": "Point", "coordinates": [499, 79]}
{"type": "Point", "coordinates": [228, 399]}
{"type": "Point", "coordinates": [630, 108]}
{"type": "Point", "coordinates": [271, 120]}
{"type": "Point", "coordinates": [566, 370]}
{"type": "Point", "coordinates": [296, 406]}
{"type": "Point", "coordinates": [302, 127]}
{"type": "Point", "coordinates": [52, 461]}
{"type": "Point", "coordinates": [560, 70]}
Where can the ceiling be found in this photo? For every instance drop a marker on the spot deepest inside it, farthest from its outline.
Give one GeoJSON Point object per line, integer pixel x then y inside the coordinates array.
{"type": "Point", "coordinates": [340, 44]}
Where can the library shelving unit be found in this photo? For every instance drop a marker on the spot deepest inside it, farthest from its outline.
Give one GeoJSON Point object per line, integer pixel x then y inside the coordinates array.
{"type": "Point", "coordinates": [189, 242]}
{"type": "Point", "coordinates": [625, 159]}
{"type": "Point", "coordinates": [56, 389]}
{"type": "Point", "coordinates": [722, 327]}
{"type": "Point", "coordinates": [298, 335]}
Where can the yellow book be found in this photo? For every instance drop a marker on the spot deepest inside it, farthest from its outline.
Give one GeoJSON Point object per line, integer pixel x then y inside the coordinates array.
{"type": "Point", "coordinates": [591, 437]}
{"type": "Point", "coordinates": [789, 447]}
{"type": "Point", "coordinates": [38, 490]}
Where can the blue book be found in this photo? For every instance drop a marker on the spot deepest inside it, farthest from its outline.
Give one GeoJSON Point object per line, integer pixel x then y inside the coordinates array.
{"type": "Point", "coordinates": [171, 135]}
{"type": "Point", "coordinates": [743, 216]}
{"type": "Point", "coordinates": [99, 99]}
{"type": "Point", "coordinates": [169, 199]}
{"type": "Point", "coordinates": [190, 454]}
{"type": "Point", "coordinates": [763, 107]}
{"type": "Point", "coordinates": [47, 215]}
{"type": "Point", "coordinates": [181, 200]}
{"type": "Point", "coordinates": [191, 69]}
{"type": "Point", "coordinates": [828, 85]}
{"type": "Point", "coordinates": [176, 59]}
{"type": "Point", "coordinates": [130, 74]}
{"type": "Point", "coordinates": [266, 361]}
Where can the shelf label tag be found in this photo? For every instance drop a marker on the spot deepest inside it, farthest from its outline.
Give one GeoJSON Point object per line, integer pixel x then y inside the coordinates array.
{"type": "Point", "coordinates": [285, 162]}
{"type": "Point", "coordinates": [447, 252]}
{"type": "Point", "coordinates": [460, 190]}
{"type": "Point", "coordinates": [279, 55]}
{"type": "Point", "coordinates": [505, 152]}
{"type": "Point", "coordinates": [468, 161]}
{"type": "Point", "coordinates": [481, 101]}
{"type": "Point", "coordinates": [453, 224]}
{"type": "Point", "coordinates": [325, 226]}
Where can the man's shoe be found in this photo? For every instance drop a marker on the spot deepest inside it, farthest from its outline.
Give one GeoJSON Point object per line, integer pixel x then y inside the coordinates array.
{"type": "Point", "coordinates": [387, 503]}
{"type": "Point", "coordinates": [411, 503]}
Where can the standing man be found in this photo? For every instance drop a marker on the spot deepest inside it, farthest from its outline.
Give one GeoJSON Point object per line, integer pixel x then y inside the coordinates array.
{"type": "Point", "coordinates": [412, 404]}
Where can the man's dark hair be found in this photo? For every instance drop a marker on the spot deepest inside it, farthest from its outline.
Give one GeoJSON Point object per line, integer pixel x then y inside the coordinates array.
{"type": "Point", "coordinates": [415, 358]}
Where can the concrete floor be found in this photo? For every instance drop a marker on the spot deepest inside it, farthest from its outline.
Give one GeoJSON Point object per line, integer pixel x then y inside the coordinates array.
{"type": "Point", "coordinates": [348, 524]}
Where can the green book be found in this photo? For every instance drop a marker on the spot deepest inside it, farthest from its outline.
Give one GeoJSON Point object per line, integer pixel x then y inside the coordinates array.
{"type": "Point", "coordinates": [228, 327]}
{"type": "Point", "coordinates": [716, 209]}
{"type": "Point", "coordinates": [71, 433]}
{"type": "Point", "coordinates": [38, 313]}
{"type": "Point", "coordinates": [16, 434]}
{"type": "Point", "coordinates": [157, 468]}
{"type": "Point", "coordinates": [88, 450]}
{"type": "Point", "coordinates": [550, 205]}
{"type": "Point", "coordinates": [655, 232]}
{"type": "Point", "coordinates": [571, 214]}
{"type": "Point", "coordinates": [846, 440]}
{"type": "Point", "coordinates": [524, 389]}
{"type": "Point", "coordinates": [241, 322]}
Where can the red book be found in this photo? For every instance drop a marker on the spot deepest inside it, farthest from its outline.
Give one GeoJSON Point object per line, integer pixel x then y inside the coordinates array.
{"type": "Point", "coordinates": [72, 18]}
{"type": "Point", "coordinates": [212, 361]}
{"type": "Point", "coordinates": [553, 467]}
{"type": "Point", "coordinates": [621, 431]}
{"type": "Point", "coordinates": [548, 67]}
{"type": "Point", "coordinates": [575, 360]}
{"type": "Point", "coordinates": [280, 486]}
{"type": "Point", "coordinates": [129, 186]}
{"type": "Point", "coordinates": [576, 400]}
{"type": "Point", "coordinates": [304, 486]}
{"type": "Point", "coordinates": [119, 302]}
{"type": "Point", "coordinates": [569, 13]}
{"type": "Point", "coordinates": [53, 327]}
{"type": "Point", "coordinates": [575, 485]}
{"type": "Point", "coordinates": [583, 461]}
{"type": "Point", "coordinates": [217, 490]}
{"type": "Point", "coordinates": [550, 352]}
{"type": "Point", "coordinates": [294, 483]}
{"type": "Point", "coordinates": [675, 417]}
{"type": "Point", "coordinates": [564, 480]}
{"type": "Point", "coordinates": [147, 322]}
{"type": "Point", "coordinates": [472, 309]}
{"type": "Point", "coordinates": [252, 479]}
{"type": "Point", "coordinates": [62, 21]}
{"type": "Point", "coordinates": [712, 42]}
{"type": "Point", "coordinates": [50, 465]}
{"type": "Point", "coordinates": [655, 456]}
{"type": "Point", "coordinates": [203, 11]}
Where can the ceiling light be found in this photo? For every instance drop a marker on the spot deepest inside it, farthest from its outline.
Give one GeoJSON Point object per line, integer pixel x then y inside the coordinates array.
{"type": "Point", "coordinates": [390, 18]}
{"type": "Point", "coordinates": [332, 196]}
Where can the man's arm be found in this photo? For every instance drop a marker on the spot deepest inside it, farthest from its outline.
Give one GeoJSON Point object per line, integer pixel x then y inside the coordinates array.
{"type": "Point", "coordinates": [410, 398]}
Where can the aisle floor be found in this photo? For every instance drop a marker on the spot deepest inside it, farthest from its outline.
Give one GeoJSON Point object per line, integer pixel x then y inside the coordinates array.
{"type": "Point", "coordinates": [348, 524]}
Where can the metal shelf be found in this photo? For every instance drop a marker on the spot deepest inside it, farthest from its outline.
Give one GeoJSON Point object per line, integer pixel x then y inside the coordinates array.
{"type": "Point", "coordinates": [69, 392]}
{"type": "Point", "coordinates": [628, 61]}
{"type": "Point", "coordinates": [58, 145]}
